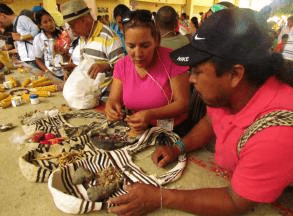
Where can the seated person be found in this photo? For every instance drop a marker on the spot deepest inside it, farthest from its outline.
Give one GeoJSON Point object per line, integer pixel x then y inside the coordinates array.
{"type": "Point", "coordinates": [100, 48]}
{"type": "Point", "coordinates": [167, 23]}
{"type": "Point", "coordinates": [117, 25]}
{"type": "Point", "coordinates": [46, 58]}
{"type": "Point", "coordinates": [146, 81]}
{"type": "Point", "coordinates": [234, 75]}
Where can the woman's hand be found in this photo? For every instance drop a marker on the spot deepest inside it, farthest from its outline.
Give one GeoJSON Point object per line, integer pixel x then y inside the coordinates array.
{"type": "Point", "coordinates": [139, 121]}
{"type": "Point", "coordinates": [113, 110]}
{"type": "Point", "coordinates": [135, 202]}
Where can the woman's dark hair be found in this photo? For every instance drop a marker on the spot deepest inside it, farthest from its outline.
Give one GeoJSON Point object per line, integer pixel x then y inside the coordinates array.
{"type": "Point", "coordinates": [120, 10]}
{"type": "Point", "coordinates": [5, 9]}
{"type": "Point", "coordinates": [39, 16]}
{"type": "Point", "coordinates": [256, 72]}
{"type": "Point", "coordinates": [140, 18]}
{"type": "Point", "coordinates": [194, 20]}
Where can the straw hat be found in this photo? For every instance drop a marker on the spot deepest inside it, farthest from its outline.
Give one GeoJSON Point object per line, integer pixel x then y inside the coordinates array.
{"type": "Point", "coordinates": [74, 9]}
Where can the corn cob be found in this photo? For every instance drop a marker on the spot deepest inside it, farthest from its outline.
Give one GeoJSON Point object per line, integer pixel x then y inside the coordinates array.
{"type": "Point", "coordinates": [3, 96]}
{"type": "Point", "coordinates": [13, 81]}
{"type": "Point", "coordinates": [41, 79]}
{"type": "Point", "coordinates": [26, 83]}
{"type": "Point", "coordinates": [25, 97]}
{"type": "Point", "coordinates": [2, 88]}
{"type": "Point", "coordinates": [50, 88]}
{"type": "Point", "coordinates": [6, 102]}
{"type": "Point", "coordinates": [40, 84]}
{"type": "Point", "coordinates": [43, 93]}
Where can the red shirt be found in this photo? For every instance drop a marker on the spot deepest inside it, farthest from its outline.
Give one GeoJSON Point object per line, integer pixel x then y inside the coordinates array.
{"type": "Point", "coordinates": [265, 166]}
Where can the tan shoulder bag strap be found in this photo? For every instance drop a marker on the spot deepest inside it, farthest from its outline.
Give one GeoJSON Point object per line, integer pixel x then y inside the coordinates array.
{"type": "Point", "coordinates": [275, 118]}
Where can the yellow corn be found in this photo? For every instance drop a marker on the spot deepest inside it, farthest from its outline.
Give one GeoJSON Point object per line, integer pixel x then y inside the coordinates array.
{"type": "Point", "coordinates": [43, 93]}
{"type": "Point", "coordinates": [26, 83]}
{"type": "Point", "coordinates": [25, 97]}
{"type": "Point", "coordinates": [6, 102]}
{"type": "Point", "coordinates": [36, 82]}
{"type": "Point", "coordinates": [2, 88]}
{"type": "Point", "coordinates": [3, 96]}
{"type": "Point", "coordinates": [50, 88]}
{"type": "Point", "coordinates": [13, 81]}
{"type": "Point", "coordinates": [44, 83]}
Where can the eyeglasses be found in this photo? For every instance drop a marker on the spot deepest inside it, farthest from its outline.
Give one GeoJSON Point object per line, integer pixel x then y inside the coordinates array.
{"type": "Point", "coordinates": [141, 15]}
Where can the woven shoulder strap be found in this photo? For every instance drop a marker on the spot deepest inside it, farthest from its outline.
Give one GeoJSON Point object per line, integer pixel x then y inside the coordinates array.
{"type": "Point", "coordinates": [275, 118]}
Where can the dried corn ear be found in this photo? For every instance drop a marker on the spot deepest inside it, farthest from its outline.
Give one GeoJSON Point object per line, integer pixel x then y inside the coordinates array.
{"type": "Point", "coordinates": [44, 83]}
{"type": "Point", "coordinates": [25, 97]}
{"type": "Point", "coordinates": [6, 102]}
{"type": "Point", "coordinates": [50, 88]}
{"type": "Point", "coordinates": [43, 93]}
{"type": "Point", "coordinates": [13, 81]}
{"type": "Point", "coordinates": [26, 83]}
{"type": "Point", "coordinates": [41, 79]}
{"type": "Point", "coordinates": [2, 88]}
{"type": "Point", "coordinates": [3, 96]}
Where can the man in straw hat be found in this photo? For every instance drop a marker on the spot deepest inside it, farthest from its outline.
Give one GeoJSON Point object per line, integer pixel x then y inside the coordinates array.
{"type": "Point", "coordinates": [234, 73]}
{"type": "Point", "coordinates": [100, 43]}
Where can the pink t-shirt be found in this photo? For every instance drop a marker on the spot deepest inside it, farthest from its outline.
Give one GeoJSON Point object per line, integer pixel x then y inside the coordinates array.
{"type": "Point", "coordinates": [265, 166]}
{"type": "Point", "coordinates": [147, 93]}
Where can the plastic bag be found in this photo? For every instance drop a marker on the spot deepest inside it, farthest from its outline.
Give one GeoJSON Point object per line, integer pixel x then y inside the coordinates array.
{"type": "Point", "coordinates": [80, 91]}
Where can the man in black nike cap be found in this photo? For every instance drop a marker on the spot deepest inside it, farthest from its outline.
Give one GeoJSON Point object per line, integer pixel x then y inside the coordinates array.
{"type": "Point", "coordinates": [249, 114]}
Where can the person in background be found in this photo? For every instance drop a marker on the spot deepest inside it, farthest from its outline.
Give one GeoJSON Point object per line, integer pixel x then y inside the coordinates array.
{"type": "Point", "coordinates": [117, 26]}
{"type": "Point", "coordinates": [166, 21]}
{"type": "Point", "coordinates": [7, 39]}
{"type": "Point", "coordinates": [288, 48]}
{"type": "Point", "coordinates": [28, 13]}
{"type": "Point", "coordinates": [183, 24]}
{"type": "Point", "coordinates": [36, 9]}
{"type": "Point", "coordinates": [24, 30]}
{"type": "Point", "coordinates": [100, 48]}
{"type": "Point", "coordinates": [146, 81]}
{"type": "Point", "coordinates": [98, 41]}
{"type": "Point", "coordinates": [287, 29]}
{"type": "Point", "coordinates": [237, 83]}
{"type": "Point", "coordinates": [193, 27]}
{"type": "Point", "coordinates": [46, 58]}
{"type": "Point", "coordinates": [99, 18]}
{"type": "Point", "coordinates": [217, 7]}
{"type": "Point", "coordinates": [280, 47]}
{"type": "Point", "coordinates": [106, 20]}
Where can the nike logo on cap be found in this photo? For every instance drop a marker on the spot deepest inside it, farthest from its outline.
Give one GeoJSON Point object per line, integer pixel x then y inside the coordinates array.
{"type": "Point", "coordinates": [198, 38]}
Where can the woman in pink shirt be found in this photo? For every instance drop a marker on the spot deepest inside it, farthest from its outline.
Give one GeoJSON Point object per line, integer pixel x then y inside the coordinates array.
{"type": "Point", "coordinates": [146, 81]}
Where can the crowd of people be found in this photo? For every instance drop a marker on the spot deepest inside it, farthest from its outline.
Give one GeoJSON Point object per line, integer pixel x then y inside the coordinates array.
{"type": "Point", "coordinates": [226, 59]}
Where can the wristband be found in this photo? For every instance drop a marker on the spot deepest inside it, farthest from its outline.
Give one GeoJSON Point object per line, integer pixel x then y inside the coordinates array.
{"type": "Point", "coordinates": [181, 146]}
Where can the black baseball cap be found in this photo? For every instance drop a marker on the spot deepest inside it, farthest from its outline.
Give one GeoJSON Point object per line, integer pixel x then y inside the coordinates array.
{"type": "Point", "coordinates": [234, 34]}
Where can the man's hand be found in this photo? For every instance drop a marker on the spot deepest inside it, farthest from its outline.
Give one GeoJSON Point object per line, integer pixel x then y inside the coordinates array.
{"type": "Point", "coordinates": [98, 68]}
{"type": "Point", "coordinates": [15, 36]}
{"type": "Point", "coordinates": [135, 202]}
{"type": "Point", "coordinates": [164, 155]}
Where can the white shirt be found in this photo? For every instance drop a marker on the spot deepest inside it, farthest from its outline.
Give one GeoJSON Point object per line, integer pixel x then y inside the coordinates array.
{"type": "Point", "coordinates": [25, 26]}
{"type": "Point", "coordinates": [44, 49]}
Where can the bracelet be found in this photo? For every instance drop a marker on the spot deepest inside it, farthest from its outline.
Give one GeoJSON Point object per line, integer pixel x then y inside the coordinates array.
{"type": "Point", "coordinates": [161, 194]}
{"type": "Point", "coordinates": [181, 145]}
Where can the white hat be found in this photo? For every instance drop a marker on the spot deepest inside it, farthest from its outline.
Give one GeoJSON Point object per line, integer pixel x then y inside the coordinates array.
{"type": "Point", "coordinates": [74, 9]}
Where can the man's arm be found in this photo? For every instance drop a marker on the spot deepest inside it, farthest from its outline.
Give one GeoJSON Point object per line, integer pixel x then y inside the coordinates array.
{"type": "Point", "coordinates": [199, 136]}
{"type": "Point", "coordinates": [210, 201]}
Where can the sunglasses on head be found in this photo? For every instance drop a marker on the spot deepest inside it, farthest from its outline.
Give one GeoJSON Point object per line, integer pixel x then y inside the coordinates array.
{"type": "Point", "coordinates": [141, 15]}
